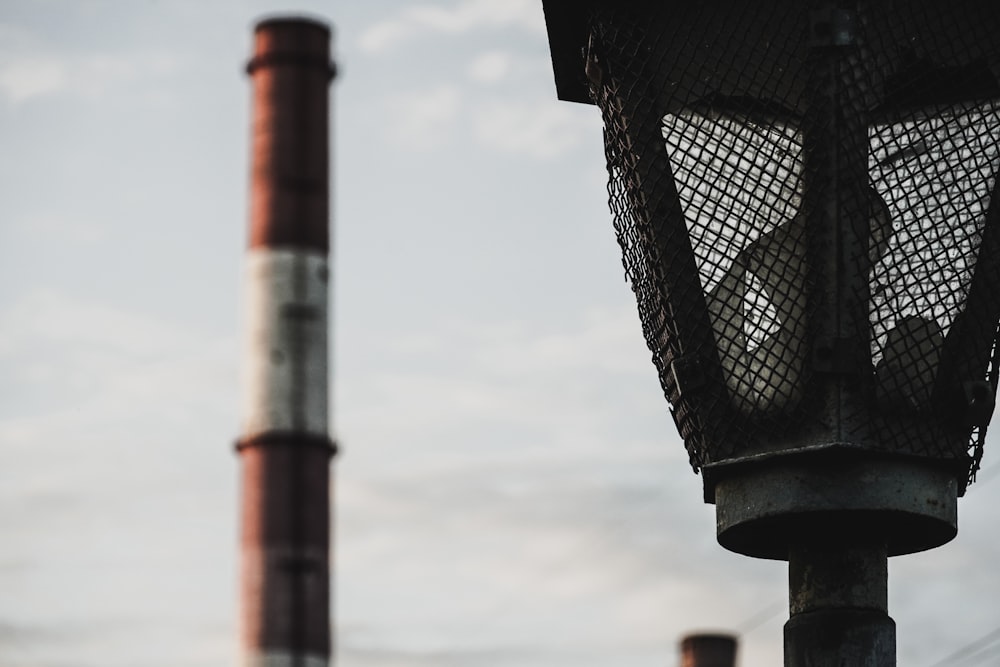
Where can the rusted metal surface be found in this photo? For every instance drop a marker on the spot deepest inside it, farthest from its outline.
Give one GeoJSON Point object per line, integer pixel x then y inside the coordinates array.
{"type": "Point", "coordinates": [288, 439]}
{"type": "Point", "coordinates": [763, 509]}
{"type": "Point", "coordinates": [285, 547]}
{"type": "Point", "coordinates": [840, 638]}
{"type": "Point", "coordinates": [835, 573]}
{"type": "Point", "coordinates": [838, 601]}
{"type": "Point", "coordinates": [291, 72]}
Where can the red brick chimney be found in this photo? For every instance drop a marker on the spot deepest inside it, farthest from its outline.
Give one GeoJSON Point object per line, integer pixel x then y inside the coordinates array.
{"type": "Point", "coordinates": [285, 446]}
{"type": "Point", "coordinates": [708, 650]}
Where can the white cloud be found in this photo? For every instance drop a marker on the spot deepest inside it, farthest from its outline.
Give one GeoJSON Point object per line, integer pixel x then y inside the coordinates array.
{"type": "Point", "coordinates": [30, 68]}
{"type": "Point", "coordinates": [44, 316]}
{"type": "Point", "coordinates": [609, 341]}
{"type": "Point", "coordinates": [381, 36]}
{"type": "Point", "coordinates": [542, 129]}
{"type": "Point", "coordinates": [103, 403]}
{"type": "Point", "coordinates": [495, 391]}
{"type": "Point", "coordinates": [413, 22]}
{"type": "Point", "coordinates": [539, 130]}
{"type": "Point", "coordinates": [30, 77]}
{"type": "Point", "coordinates": [51, 223]}
{"type": "Point", "coordinates": [424, 118]}
{"type": "Point", "coordinates": [490, 67]}
{"type": "Point", "coordinates": [538, 554]}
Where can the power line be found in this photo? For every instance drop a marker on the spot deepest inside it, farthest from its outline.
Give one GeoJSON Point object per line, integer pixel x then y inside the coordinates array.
{"type": "Point", "coordinates": [970, 649]}
{"type": "Point", "coordinates": [983, 655]}
{"type": "Point", "coordinates": [760, 618]}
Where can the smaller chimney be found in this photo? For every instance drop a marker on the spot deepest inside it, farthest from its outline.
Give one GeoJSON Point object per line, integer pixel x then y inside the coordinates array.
{"type": "Point", "coordinates": [708, 650]}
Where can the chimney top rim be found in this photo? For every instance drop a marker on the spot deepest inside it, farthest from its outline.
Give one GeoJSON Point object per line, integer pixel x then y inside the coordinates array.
{"type": "Point", "coordinates": [292, 20]}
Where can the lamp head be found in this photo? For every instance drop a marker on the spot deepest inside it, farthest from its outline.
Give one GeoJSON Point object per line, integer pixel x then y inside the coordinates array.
{"type": "Point", "coordinates": [807, 201]}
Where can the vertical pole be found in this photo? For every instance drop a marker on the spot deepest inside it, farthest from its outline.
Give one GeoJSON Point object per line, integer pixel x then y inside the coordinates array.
{"type": "Point", "coordinates": [708, 650]}
{"type": "Point", "coordinates": [285, 447]}
{"type": "Point", "coordinates": [838, 603]}
{"type": "Point", "coordinates": [837, 205]}
{"type": "Point", "coordinates": [838, 583]}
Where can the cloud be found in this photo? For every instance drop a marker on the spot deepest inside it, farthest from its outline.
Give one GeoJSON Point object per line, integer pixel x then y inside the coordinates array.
{"type": "Point", "coordinates": [543, 130]}
{"type": "Point", "coordinates": [487, 470]}
{"type": "Point", "coordinates": [500, 388]}
{"type": "Point", "coordinates": [52, 223]}
{"type": "Point", "coordinates": [121, 641]}
{"type": "Point", "coordinates": [538, 553]}
{"type": "Point", "coordinates": [30, 68]}
{"type": "Point", "coordinates": [48, 315]}
{"type": "Point", "coordinates": [605, 341]}
{"type": "Point", "coordinates": [510, 108]}
{"type": "Point", "coordinates": [543, 519]}
{"type": "Point", "coordinates": [424, 118]}
{"type": "Point", "coordinates": [85, 376]}
{"type": "Point", "coordinates": [539, 130]}
{"type": "Point", "coordinates": [105, 411]}
{"type": "Point", "coordinates": [413, 22]}
{"type": "Point", "coordinates": [490, 67]}
{"type": "Point", "coordinates": [23, 79]}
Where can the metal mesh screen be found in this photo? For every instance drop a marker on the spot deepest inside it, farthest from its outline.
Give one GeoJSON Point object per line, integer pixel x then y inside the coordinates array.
{"type": "Point", "coordinates": [804, 197]}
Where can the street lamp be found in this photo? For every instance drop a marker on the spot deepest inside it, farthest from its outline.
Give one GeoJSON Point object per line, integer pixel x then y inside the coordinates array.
{"type": "Point", "coordinates": [805, 194]}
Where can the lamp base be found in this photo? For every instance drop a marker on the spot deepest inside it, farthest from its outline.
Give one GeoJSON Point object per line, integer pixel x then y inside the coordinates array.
{"type": "Point", "coordinates": [762, 509]}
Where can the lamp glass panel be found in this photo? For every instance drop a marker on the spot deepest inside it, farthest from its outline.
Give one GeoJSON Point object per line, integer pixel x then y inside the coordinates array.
{"type": "Point", "coordinates": [739, 183]}
{"type": "Point", "coordinates": [935, 172]}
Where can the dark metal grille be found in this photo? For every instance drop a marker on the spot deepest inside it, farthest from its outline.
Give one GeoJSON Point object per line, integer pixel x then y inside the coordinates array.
{"type": "Point", "coordinates": [805, 200]}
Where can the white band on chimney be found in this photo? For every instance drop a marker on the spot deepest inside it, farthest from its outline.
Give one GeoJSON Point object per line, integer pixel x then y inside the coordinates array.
{"type": "Point", "coordinates": [286, 354]}
{"type": "Point", "coordinates": [282, 659]}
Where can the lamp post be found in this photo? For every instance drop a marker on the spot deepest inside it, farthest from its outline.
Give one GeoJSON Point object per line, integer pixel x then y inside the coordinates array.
{"type": "Point", "coordinates": [806, 197]}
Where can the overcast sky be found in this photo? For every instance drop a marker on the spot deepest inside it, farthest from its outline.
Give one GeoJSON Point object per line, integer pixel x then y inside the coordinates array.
{"type": "Point", "coordinates": [511, 491]}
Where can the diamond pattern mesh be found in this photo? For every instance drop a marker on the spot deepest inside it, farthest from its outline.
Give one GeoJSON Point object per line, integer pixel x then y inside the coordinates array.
{"type": "Point", "coordinates": [805, 197]}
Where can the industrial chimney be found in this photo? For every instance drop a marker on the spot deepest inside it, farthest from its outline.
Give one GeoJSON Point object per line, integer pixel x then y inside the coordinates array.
{"type": "Point", "coordinates": [708, 650]}
{"type": "Point", "coordinates": [285, 446]}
